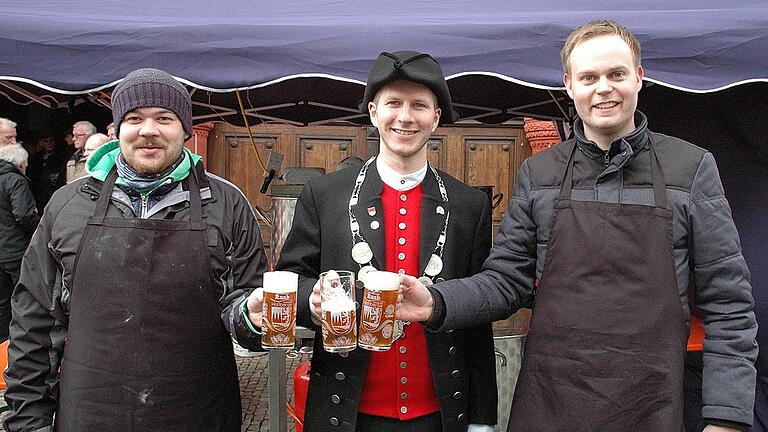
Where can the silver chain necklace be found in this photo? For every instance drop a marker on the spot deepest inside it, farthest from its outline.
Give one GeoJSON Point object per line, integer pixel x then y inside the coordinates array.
{"type": "Point", "coordinates": [363, 254]}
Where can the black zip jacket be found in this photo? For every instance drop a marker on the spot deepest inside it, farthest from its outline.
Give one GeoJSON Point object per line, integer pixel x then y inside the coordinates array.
{"type": "Point", "coordinates": [41, 299]}
{"type": "Point", "coordinates": [18, 213]}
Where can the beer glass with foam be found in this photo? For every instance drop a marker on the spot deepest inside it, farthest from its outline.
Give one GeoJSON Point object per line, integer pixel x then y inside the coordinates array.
{"type": "Point", "coordinates": [377, 323]}
{"type": "Point", "coordinates": [337, 301]}
{"type": "Point", "coordinates": [279, 310]}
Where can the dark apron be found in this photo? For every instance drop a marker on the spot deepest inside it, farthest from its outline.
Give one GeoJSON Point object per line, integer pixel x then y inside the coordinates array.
{"type": "Point", "coordinates": [146, 349]}
{"type": "Point", "coordinates": [607, 341]}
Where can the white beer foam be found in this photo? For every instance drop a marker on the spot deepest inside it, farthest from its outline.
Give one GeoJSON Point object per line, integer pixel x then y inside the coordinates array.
{"type": "Point", "coordinates": [331, 280]}
{"type": "Point", "coordinates": [382, 281]}
{"type": "Point", "coordinates": [338, 304]}
{"type": "Point", "coordinates": [331, 275]}
{"type": "Point", "coordinates": [281, 282]}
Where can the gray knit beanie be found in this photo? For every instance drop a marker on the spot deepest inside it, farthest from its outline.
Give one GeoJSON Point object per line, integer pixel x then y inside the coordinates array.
{"type": "Point", "coordinates": [151, 88]}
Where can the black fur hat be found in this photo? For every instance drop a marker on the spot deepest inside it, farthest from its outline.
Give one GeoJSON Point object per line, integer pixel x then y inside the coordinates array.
{"type": "Point", "coordinates": [411, 66]}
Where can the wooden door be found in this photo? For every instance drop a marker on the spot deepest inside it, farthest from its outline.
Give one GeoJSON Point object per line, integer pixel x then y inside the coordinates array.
{"type": "Point", "coordinates": [325, 151]}
{"type": "Point", "coordinates": [437, 151]}
{"type": "Point", "coordinates": [244, 169]}
{"type": "Point", "coordinates": [478, 156]}
{"type": "Point", "coordinates": [492, 158]}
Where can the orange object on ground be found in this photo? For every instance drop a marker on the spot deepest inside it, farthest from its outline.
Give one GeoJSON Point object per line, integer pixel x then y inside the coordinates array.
{"type": "Point", "coordinates": [696, 338]}
{"type": "Point", "coordinates": [3, 363]}
{"type": "Point", "coordinates": [300, 389]}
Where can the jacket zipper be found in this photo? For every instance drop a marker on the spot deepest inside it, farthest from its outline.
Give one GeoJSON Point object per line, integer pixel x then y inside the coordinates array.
{"type": "Point", "coordinates": [144, 204]}
{"type": "Point", "coordinates": [606, 160]}
{"type": "Point", "coordinates": [145, 198]}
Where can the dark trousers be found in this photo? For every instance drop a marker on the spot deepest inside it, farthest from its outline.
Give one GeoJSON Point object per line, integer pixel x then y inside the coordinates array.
{"type": "Point", "coordinates": [694, 362]}
{"type": "Point", "coordinates": [9, 277]}
{"type": "Point", "coordinates": [761, 405]}
{"type": "Point", "coordinates": [427, 423]}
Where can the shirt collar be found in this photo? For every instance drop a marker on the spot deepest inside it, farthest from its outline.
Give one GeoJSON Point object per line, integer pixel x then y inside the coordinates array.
{"type": "Point", "coordinates": [397, 181]}
{"type": "Point", "coordinates": [637, 139]}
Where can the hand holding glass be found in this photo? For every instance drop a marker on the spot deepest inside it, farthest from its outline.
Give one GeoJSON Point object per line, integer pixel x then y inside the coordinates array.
{"type": "Point", "coordinates": [378, 310]}
{"type": "Point", "coordinates": [278, 315]}
{"type": "Point", "coordinates": [337, 300]}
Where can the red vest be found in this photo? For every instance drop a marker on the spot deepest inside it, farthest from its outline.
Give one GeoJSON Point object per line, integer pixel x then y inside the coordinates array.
{"type": "Point", "coordinates": [398, 382]}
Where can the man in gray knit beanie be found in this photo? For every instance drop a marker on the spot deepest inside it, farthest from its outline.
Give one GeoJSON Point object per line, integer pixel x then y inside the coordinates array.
{"type": "Point", "coordinates": [147, 107]}
{"type": "Point", "coordinates": [165, 260]}
{"type": "Point", "coordinates": [151, 88]}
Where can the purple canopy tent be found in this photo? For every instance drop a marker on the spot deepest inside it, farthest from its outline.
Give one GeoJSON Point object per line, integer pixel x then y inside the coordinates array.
{"type": "Point", "coordinates": [304, 62]}
{"type": "Point", "coordinates": [307, 61]}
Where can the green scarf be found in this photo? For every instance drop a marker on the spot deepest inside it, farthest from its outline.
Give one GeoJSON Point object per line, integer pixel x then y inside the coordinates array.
{"type": "Point", "coordinates": [101, 162]}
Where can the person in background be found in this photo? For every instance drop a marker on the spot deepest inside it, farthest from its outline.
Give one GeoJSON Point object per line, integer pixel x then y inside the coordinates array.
{"type": "Point", "coordinates": [606, 231]}
{"type": "Point", "coordinates": [93, 142]}
{"type": "Point", "coordinates": [7, 132]}
{"type": "Point", "coordinates": [18, 219]}
{"type": "Point", "coordinates": [410, 218]}
{"type": "Point", "coordinates": [69, 139]}
{"type": "Point", "coordinates": [111, 131]}
{"type": "Point", "coordinates": [76, 164]}
{"type": "Point", "coordinates": [45, 170]}
{"type": "Point", "coordinates": [144, 271]}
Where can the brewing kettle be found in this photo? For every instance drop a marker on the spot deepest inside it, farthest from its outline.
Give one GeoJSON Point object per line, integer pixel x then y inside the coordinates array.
{"type": "Point", "coordinates": [283, 197]}
{"type": "Point", "coordinates": [279, 217]}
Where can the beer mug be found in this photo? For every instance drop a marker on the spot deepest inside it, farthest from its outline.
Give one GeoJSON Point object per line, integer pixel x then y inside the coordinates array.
{"type": "Point", "coordinates": [377, 324]}
{"type": "Point", "coordinates": [337, 301]}
{"type": "Point", "coordinates": [278, 311]}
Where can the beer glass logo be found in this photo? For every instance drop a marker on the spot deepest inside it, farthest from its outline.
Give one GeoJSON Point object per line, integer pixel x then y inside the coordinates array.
{"type": "Point", "coordinates": [371, 317]}
{"type": "Point", "coordinates": [341, 322]}
{"type": "Point", "coordinates": [280, 313]}
{"type": "Point", "coordinates": [281, 317]}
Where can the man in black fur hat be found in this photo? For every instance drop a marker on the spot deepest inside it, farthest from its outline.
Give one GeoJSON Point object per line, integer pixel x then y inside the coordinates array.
{"type": "Point", "coordinates": [392, 213]}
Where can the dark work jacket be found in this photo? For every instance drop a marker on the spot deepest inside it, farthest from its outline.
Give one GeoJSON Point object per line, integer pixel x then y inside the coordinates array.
{"type": "Point", "coordinates": [18, 213]}
{"type": "Point", "coordinates": [462, 362]}
{"type": "Point", "coordinates": [707, 250]}
{"type": "Point", "coordinates": [42, 297]}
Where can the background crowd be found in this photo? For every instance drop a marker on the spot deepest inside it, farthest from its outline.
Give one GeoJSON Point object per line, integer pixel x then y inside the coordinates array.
{"type": "Point", "coordinates": [30, 172]}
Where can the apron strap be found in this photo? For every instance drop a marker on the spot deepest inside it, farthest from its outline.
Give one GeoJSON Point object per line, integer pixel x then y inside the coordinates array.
{"type": "Point", "coordinates": [657, 177]}
{"type": "Point", "coordinates": [195, 202]}
{"type": "Point", "coordinates": [567, 184]}
{"type": "Point", "coordinates": [104, 196]}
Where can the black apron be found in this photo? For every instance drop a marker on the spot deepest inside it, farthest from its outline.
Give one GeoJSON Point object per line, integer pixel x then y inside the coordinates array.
{"type": "Point", "coordinates": [146, 349]}
{"type": "Point", "coordinates": [606, 348]}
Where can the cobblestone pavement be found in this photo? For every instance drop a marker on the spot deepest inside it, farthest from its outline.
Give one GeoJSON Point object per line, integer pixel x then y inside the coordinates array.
{"type": "Point", "coordinates": [253, 391]}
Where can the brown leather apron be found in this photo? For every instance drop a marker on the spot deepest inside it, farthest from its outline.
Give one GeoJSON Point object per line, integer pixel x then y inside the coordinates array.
{"type": "Point", "coordinates": [607, 341]}
{"type": "Point", "coordinates": [146, 348]}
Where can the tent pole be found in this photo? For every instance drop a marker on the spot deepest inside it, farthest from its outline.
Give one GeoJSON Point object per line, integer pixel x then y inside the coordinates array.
{"type": "Point", "coordinates": [276, 390]}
